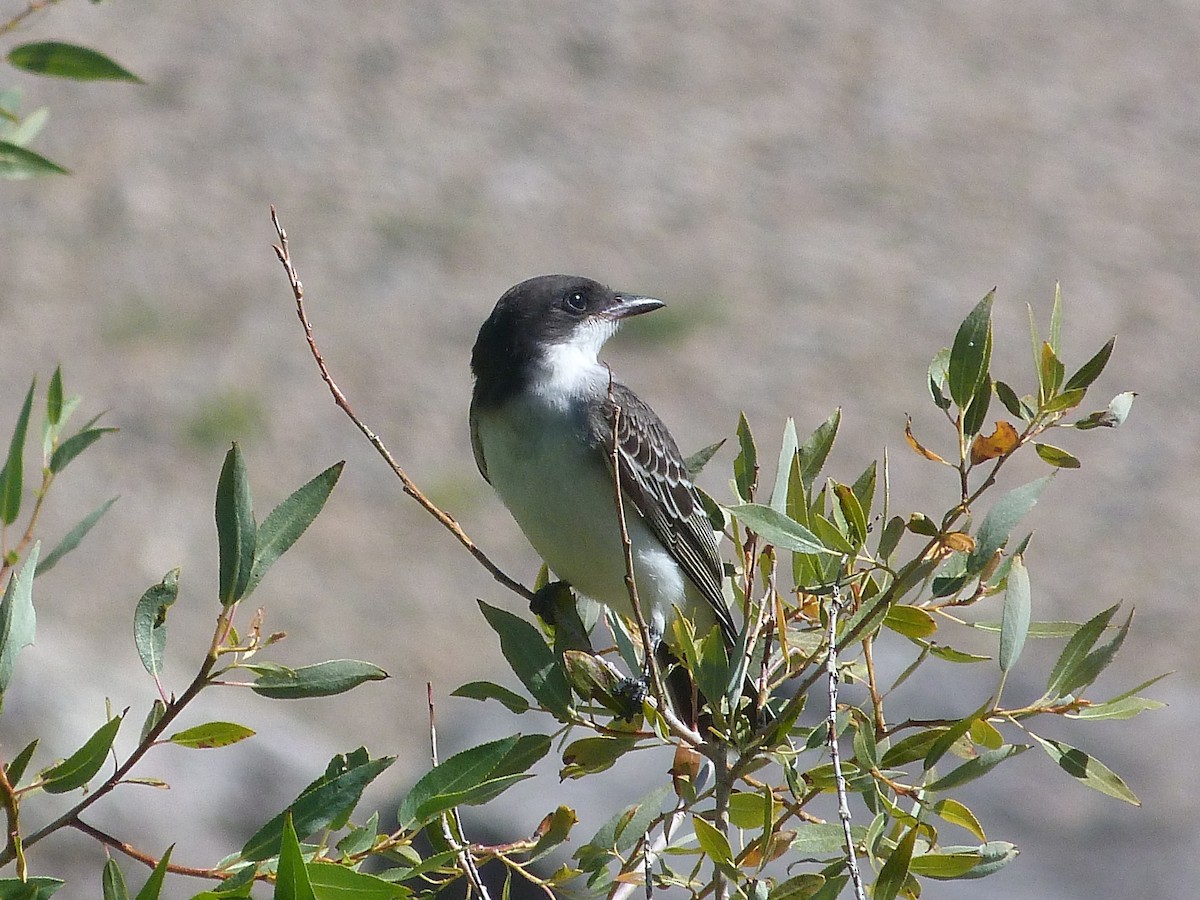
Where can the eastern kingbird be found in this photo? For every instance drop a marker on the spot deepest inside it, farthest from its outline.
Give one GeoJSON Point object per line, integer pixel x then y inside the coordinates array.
{"type": "Point", "coordinates": [541, 429]}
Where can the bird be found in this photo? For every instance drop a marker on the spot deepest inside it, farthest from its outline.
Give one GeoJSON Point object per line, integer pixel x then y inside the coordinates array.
{"type": "Point", "coordinates": [541, 421]}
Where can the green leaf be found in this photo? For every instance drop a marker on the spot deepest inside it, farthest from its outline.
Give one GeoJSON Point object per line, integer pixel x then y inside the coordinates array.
{"type": "Point", "coordinates": [1056, 456]}
{"type": "Point", "coordinates": [1014, 620]}
{"type": "Point", "coordinates": [976, 414]}
{"type": "Point", "coordinates": [326, 799]}
{"type": "Point", "coordinates": [1056, 316]}
{"type": "Point", "coordinates": [1091, 369]}
{"type": "Point", "coordinates": [971, 353]}
{"type": "Point", "coordinates": [1089, 770]}
{"type": "Point", "coordinates": [211, 735]}
{"type": "Point", "coordinates": [152, 889]}
{"type": "Point", "coordinates": [15, 770]}
{"type": "Point", "coordinates": [1001, 519]}
{"type": "Point", "coordinates": [951, 735]}
{"type": "Point", "coordinates": [715, 845]}
{"type": "Point", "coordinates": [1050, 373]}
{"type": "Point", "coordinates": [745, 465]}
{"type": "Point", "coordinates": [11, 477]}
{"type": "Point", "coordinates": [68, 61]}
{"type": "Point", "coordinates": [1089, 668]}
{"type": "Point", "coordinates": [953, 811]}
{"type": "Point", "coordinates": [815, 450]}
{"type": "Point", "coordinates": [531, 660]}
{"type": "Point", "coordinates": [852, 511]}
{"type": "Point", "coordinates": [54, 398]}
{"type": "Point", "coordinates": [112, 882]}
{"type": "Point", "coordinates": [74, 445]}
{"type": "Point", "coordinates": [909, 621]}
{"type": "Point", "coordinates": [17, 163]}
{"type": "Point", "coordinates": [291, 878]}
{"type": "Point", "coordinates": [486, 690]}
{"type": "Point", "coordinates": [787, 452]}
{"type": "Point", "coordinates": [1012, 402]}
{"type": "Point", "coordinates": [471, 777]}
{"type": "Point", "coordinates": [939, 371]}
{"type": "Point", "coordinates": [895, 871]}
{"type": "Point", "coordinates": [35, 888]}
{"type": "Point", "coordinates": [75, 536]}
{"type": "Point", "coordinates": [333, 882]}
{"type": "Point", "coordinates": [18, 621]}
{"type": "Point", "coordinates": [288, 521]}
{"type": "Point", "coordinates": [819, 839]}
{"type": "Point", "coordinates": [1123, 708]}
{"type": "Point", "coordinates": [798, 887]}
{"type": "Point", "coordinates": [593, 754]}
{"type": "Point", "coordinates": [698, 460]}
{"type": "Point", "coordinates": [78, 769]}
{"type": "Point", "coordinates": [158, 709]}
{"type": "Point", "coordinates": [777, 529]}
{"type": "Point", "coordinates": [974, 768]}
{"type": "Point", "coordinates": [150, 621]}
{"type": "Point", "coordinates": [1071, 661]}
{"type": "Point", "coordinates": [323, 679]}
{"type": "Point", "coordinates": [235, 527]}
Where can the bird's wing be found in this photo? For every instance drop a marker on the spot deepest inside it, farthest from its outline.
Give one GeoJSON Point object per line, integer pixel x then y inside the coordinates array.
{"type": "Point", "coordinates": [656, 481]}
{"type": "Point", "coordinates": [477, 444]}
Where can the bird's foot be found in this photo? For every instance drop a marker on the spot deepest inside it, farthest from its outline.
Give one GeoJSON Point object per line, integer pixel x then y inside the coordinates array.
{"type": "Point", "coordinates": [630, 693]}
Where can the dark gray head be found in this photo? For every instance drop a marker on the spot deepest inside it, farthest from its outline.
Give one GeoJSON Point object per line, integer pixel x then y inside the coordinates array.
{"type": "Point", "coordinates": [540, 314]}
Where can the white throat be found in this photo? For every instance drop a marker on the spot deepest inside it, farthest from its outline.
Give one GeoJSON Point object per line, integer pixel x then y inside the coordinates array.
{"type": "Point", "coordinates": [572, 369]}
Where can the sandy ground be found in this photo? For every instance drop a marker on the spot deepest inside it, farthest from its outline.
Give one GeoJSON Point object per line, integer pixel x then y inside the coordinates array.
{"type": "Point", "coordinates": [819, 191]}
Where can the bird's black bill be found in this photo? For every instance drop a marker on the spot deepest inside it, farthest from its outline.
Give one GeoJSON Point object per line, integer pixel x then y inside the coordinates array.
{"type": "Point", "coordinates": [633, 305]}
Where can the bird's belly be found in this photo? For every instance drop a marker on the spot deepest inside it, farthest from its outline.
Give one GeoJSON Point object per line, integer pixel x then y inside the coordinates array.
{"type": "Point", "coordinates": [561, 494]}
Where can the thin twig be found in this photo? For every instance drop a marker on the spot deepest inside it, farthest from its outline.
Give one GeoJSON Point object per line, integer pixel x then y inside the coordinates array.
{"type": "Point", "coordinates": [835, 602]}
{"type": "Point", "coordinates": [145, 858]}
{"type": "Point", "coordinates": [459, 844]}
{"type": "Point", "coordinates": [447, 521]}
{"type": "Point", "coordinates": [677, 726]}
{"type": "Point", "coordinates": [32, 7]}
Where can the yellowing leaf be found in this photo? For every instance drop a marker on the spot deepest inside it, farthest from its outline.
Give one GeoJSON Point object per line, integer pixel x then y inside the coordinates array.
{"type": "Point", "coordinates": [1000, 442]}
{"type": "Point", "coordinates": [918, 446]}
{"type": "Point", "coordinates": [959, 540]}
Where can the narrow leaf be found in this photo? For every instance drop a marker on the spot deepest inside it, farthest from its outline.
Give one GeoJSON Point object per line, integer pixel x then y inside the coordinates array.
{"type": "Point", "coordinates": [1089, 770]}
{"type": "Point", "coordinates": [152, 889]}
{"type": "Point", "coordinates": [1014, 620]}
{"type": "Point", "coordinates": [11, 478]}
{"type": "Point", "coordinates": [18, 622]}
{"type": "Point", "coordinates": [54, 398]}
{"type": "Point", "coordinates": [787, 452]}
{"type": "Point", "coordinates": [74, 445]}
{"type": "Point", "coordinates": [895, 871]}
{"type": "Point", "coordinates": [698, 460]}
{"type": "Point", "coordinates": [323, 801]}
{"type": "Point", "coordinates": [1056, 456]}
{"type": "Point", "coordinates": [910, 621]}
{"type": "Point", "coordinates": [815, 450]}
{"type": "Point", "coordinates": [1001, 519]}
{"type": "Point", "coordinates": [17, 163]}
{"type": "Point", "coordinates": [235, 527]}
{"type": "Point", "coordinates": [531, 660]}
{"type": "Point", "coordinates": [68, 61]}
{"type": "Point", "coordinates": [939, 371]}
{"type": "Point", "coordinates": [1091, 369]}
{"type": "Point", "coordinates": [974, 768]}
{"type": "Point", "coordinates": [288, 521]}
{"type": "Point", "coordinates": [970, 353]}
{"type": "Point", "coordinates": [291, 878]}
{"type": "Point", "coordinates": [486, 690]}
{"type": "Point", "coordinates": [112, 882]}
{"type": "Point", "coordinates": [471, 777]}
{"type": "Point", "coordinates": [745, 465]}
{"type": "Point", "coordinates": [75, 536]}
{"type": "Point", "coordinates": [331, 881]}
{"type": "Point", "coordinates": [715, 845]}
{"type": "Point", "coordinates": [15, 770]}
{"type": "Point", "coordinates": [150, 621]}
{"type": "Point", "coordinates": [1066, 669]}
{"type": "Point", "coordinates": [78, 769]}
{"type": "Point", "coordinates": [211, 735]}
{"type": "Point", "coordinates": [778, 529]}
{"type": "Point", "coordinates": [324, 679]}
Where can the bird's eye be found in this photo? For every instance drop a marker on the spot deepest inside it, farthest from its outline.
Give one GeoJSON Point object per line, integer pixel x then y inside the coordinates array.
{"type": "Point", "coordinates": [574, 301]}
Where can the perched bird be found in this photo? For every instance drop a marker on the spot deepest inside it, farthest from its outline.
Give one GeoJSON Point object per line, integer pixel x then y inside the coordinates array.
{"type": "Point", "coordinates": [542, 433]}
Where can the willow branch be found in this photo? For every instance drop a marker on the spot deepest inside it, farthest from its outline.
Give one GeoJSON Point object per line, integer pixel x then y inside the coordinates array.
{"type": "Point", "coordinates": [444, 518]}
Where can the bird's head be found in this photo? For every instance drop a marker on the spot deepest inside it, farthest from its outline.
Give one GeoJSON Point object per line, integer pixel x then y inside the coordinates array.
{"type": "Point", "coordinates": [551, 316]}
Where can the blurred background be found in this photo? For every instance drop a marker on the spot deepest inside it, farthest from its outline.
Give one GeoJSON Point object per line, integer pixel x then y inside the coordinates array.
{"type": "Point", "coordinates": [819, 191]}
